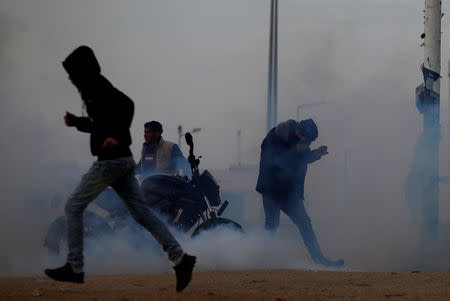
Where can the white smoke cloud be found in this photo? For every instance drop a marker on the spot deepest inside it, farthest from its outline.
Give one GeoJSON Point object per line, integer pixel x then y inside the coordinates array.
{"type": "Point", "coordinates": [204, 64]}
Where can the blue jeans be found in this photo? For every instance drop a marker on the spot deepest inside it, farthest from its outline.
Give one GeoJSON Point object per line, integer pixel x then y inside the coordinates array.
{"type": "Point", "coordinates": [295, 209]}
{"type": "Point", "coordinates": [119, 174]}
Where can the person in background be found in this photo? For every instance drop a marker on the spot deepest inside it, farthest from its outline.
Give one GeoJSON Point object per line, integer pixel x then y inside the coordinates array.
{"type": "Point", "coordinates": [285, 155]}
{"type": "Point", "coordinates": [159, 156]}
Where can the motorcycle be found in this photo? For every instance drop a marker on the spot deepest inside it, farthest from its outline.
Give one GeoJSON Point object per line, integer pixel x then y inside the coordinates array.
{"type": "Point", "coordinates": [191, 206]}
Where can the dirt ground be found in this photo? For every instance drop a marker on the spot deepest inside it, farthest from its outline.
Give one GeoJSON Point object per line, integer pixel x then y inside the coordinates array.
{"type": "Point", "coordinates": [274, 285]}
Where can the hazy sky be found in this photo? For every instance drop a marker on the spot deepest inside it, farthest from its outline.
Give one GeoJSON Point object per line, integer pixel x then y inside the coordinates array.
{"type": "Point", "coordinates": [203, 63]}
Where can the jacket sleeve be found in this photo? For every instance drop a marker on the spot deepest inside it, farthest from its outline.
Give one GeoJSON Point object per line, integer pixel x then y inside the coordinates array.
{"type": "Point", "coordinates": [311, 156]}
{"type": "Point", "coordinates": [181, 163]}
{"type": "Point", "coordinates": [84, 124]}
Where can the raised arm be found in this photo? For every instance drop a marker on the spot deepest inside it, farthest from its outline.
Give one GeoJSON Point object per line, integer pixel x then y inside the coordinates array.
{"type": "Point", "coordinates": [314, 155]}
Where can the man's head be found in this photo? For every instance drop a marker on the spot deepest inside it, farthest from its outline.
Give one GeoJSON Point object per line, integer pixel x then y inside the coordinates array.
{"type": "Point", "coordinates": [306, 131]}
{"type": "Point", "coordinates": [81, 65]}
{"type": "Point", "coordinates": [84, 72]}
{"type": "Point", "coordinates": [152, 131]}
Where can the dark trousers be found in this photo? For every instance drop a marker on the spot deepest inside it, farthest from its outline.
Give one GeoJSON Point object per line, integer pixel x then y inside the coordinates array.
{"type": "Point", "coordinates": [119, 174]}
{"type": "Point", "coordinates": [294, 208]}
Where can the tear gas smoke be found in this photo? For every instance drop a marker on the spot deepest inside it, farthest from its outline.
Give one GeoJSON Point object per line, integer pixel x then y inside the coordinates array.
{"type": "Point", "coordinates": [204, 64]}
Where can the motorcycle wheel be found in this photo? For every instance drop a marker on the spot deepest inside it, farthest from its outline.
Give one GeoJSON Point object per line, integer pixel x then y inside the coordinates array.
{"type": "Point", "coordinates": [217, 222]}
{"type": "Point", "coordinates": [94, 226]}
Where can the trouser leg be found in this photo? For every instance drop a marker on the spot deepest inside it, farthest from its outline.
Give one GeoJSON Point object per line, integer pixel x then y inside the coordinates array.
{"type": "Point", "coordinates": [91, 185]}
{"type": "Point", "coordinates": [272, 213]}
{"type": "Point", "coordinates": [295, 209]}
{"type": "Point", "coordinates": [127, 187]}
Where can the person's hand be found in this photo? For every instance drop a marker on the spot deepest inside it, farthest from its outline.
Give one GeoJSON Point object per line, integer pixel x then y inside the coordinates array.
{"type": "Point", "coordinates": [110, 143]}
{"type": "Point", "coordinates": [322, 151]}
{"type": "Point", "coordinates": [70, 119]}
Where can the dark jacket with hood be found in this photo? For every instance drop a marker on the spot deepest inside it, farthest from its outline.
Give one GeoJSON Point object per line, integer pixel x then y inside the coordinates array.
{"type": "Point", "coordinates": [110, 112]}
{"type": "Point", "coordinates": [282, 167]}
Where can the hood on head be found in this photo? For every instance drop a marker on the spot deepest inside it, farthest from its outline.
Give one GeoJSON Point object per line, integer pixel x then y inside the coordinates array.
{"type": "Point", "coordinates": [309, 129]}
{"type": "Point", "coordinates": [81, 64]}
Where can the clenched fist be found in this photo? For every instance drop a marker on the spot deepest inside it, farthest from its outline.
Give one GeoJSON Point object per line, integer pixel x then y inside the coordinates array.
{"type": "Point", "coordinates": [110, 143]}
{"type": "Point", "coordinates": [70, 119]}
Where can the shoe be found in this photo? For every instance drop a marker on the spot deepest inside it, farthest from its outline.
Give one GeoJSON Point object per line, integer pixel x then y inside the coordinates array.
{"type": "Point", "coordinates": [329, 263]}
{"type": "Point", "coordinates": [65, 273]}
{"type": "Point", "coordinates": [183, 271]}
{"type": "Point", "coordinates": [333, 263]}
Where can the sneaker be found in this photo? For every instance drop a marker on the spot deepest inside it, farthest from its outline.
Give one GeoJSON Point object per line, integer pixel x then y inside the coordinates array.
{"type": "Point", "coordinates": [183, 271]}
{"type": "Point", "coordinates": [329, 263]}
{"type": "Point", "coordinates": [334, 263]}
{"type": "Point", "coordinates": [65, 273]}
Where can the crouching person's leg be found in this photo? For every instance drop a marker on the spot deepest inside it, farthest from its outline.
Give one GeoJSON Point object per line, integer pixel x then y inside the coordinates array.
{"type": "Point", "coordinates": [272, 213]}
{"type": "Point", "coordinates": [296, 211]}
{"type": "Point", "coordinates": [128, 189]}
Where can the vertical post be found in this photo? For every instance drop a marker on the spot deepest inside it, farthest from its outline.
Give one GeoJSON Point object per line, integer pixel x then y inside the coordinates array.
{"type": "Point", "coordinates": [269, 80]}
{"type": "Point", "coordinates": [239, 147]}
{"type": "Point", "coordinates": [448, 74]}
{"type": "Point", "coordinates": [433, 37]}
{"type": "Point", "coordinates": [346, 185]}
{"type": "Point", "coordinates": [272, 88]}
{"type": "Point", "coordinates": [431, 119]}
{"type": "Point", "coordinates": [275, 67]}
{"type": "Point", "coordinates": [421, 186]}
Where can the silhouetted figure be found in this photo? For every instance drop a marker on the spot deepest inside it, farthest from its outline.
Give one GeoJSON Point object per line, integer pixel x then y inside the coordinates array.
{"type": "Point", "coordinates": [110, 113]}
{"type": "Point", "coordinates": [285, 155]}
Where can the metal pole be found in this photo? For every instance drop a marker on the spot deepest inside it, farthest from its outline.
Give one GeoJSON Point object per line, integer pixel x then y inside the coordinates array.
{"type": "Point", "coordinates": [269, 82]}
{"type": "Point", "coordinates": [431, 118]}
{"type": "Point", "coordinates": [433, 37]}
{"type": "Point", "coordinates": [346, 185]}
{"type": "Point", "coordinates": [422, 183]}
{"type": "Point", "coordinates": [275, 67]}
{"type": "Point", "coordinates": [239, 147]}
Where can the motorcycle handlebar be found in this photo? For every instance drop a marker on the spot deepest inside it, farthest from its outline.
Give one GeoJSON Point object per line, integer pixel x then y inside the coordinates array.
{"type": "Point", "coordinates": [188, 138]}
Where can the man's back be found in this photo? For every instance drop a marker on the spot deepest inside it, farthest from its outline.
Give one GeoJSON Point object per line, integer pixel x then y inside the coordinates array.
{"type": "Point", "coordinates": [278, 165]}
{"type": "Point", "coordinates": [283, 163]}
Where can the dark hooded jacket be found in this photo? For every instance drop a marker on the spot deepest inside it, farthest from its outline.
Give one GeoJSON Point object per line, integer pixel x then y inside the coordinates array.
{"type": "Point", "coordinates": [110, 112]}
{"type": "Point", "coordinates": [282, 168]}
